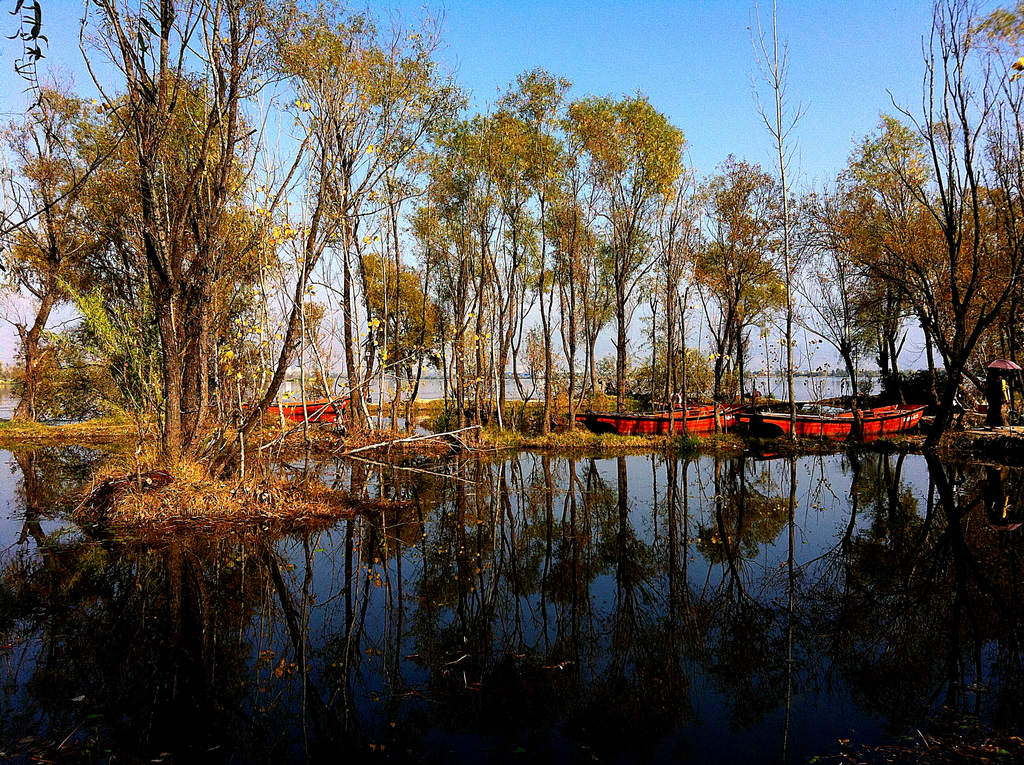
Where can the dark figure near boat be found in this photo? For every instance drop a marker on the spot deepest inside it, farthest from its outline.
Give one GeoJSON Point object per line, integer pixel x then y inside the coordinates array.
{"type": "Point", "coordinates": [999, 373]}
{"type": "Point", "coordinates": [994, 400]}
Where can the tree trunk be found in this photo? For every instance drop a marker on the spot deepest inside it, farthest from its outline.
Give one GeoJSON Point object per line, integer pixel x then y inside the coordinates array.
{"type": "Point", "coordinates": [933, 382]}
{"type": "Point", "coordinates": [26, 409]}
{"type": "Point", "coordinates": [355, 389]}
{"type": "Point", "coordinates": [944, 415]}
{"type": "Point", "coordinates": [741, 355]}
{"type": "Point", "coordinates": [173, 441]}
{"type": "Point", "coordinates": [194, 363]}
{"type": "Point", "coordinates": [857, 432]}
{"type": "Point", "coordinates": [684, 398]}
{"type": "Point", "coordinates": [620, 348]}
{"type": "Point", "coordinates": [895, 367]}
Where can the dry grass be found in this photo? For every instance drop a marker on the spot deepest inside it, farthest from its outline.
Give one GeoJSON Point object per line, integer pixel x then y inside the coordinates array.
{"type": "Point", "coordinates": [18, 433]}
{"type": "Point", "coordinates": [582, 440]}
{"type": "Point", "coordinates": [194, 502]}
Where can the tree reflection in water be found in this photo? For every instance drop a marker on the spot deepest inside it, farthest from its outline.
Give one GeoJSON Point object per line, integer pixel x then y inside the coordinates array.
{"type": "Point", "coordinates": [638, 607]}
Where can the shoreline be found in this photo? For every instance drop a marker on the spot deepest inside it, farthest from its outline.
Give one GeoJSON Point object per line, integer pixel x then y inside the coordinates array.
{"type": "Point", "coordinates": [133, 492]}
{"type": "Point", "coordinates": [1004, 444]}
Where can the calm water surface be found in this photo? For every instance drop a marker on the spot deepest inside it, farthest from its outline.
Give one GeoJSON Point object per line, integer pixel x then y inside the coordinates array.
{"type": "Point", "coordinates": [525, 609]}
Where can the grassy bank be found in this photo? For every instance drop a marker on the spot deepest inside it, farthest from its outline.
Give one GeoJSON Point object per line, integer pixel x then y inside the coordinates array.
{"type": "Point", "coordinates": [581, 440]}
{"type": "Point", "coordinates": [1005, 444]}
{"type": "Point", "coordinates": [23, 434]}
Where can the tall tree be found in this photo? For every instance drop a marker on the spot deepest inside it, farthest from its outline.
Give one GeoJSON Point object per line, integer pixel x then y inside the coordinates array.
{"type": "Point", "coordinates": [182, 61]}
{"type": "Point", "coordinates": [537, 101]}
{"type": "Point", "coordinates": [833, 230]}
{"type": "Point", "coordinates": [369, 101]}
{"type": "Point", "coordinates": [46, 255]}
{"type": "Point", "coordinates": [635, 157]}
{"type": "Point", "coordinates": [780, 123]}
{"type": "Point", "coordinates": [678, 239]}
{"type": "Point", "coordinates": [737, 271]}
{"type": "Point", "coordinates": [968, 177]}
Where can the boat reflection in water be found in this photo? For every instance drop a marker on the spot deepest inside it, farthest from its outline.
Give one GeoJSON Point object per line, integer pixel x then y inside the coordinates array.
{"type": "Point", "coordinates": [632, 608]}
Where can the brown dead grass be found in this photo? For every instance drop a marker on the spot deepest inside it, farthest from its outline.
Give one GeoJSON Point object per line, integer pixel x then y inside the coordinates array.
{"type": "Point", "coordinates": [17, 433]}
{"type": "Point", "coordinates": [193, 502]}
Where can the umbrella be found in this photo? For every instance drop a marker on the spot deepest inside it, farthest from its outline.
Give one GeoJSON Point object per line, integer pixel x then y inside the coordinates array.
{"type": "Point", "coordinates": [1004, 364]}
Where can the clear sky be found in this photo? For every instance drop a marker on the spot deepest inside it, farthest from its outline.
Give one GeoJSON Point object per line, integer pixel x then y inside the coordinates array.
{"type": "Point", "coordinates": [694, 60]}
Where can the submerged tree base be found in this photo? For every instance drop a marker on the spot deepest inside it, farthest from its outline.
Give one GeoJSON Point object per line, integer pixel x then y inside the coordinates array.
{"type": "Point", "coordinates": [186, 498]}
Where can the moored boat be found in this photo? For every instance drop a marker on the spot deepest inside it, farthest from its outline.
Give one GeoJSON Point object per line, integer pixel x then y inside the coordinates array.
{"type": "Point", "coordinates": [839, 426]}
{"type": "Point", "coordinates": [699, 420]}
{"type": "Point", "coordinates": [320, 410]}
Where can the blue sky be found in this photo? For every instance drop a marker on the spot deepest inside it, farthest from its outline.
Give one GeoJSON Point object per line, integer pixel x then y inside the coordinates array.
{"type": "Point", "coordinates": [694, 60]}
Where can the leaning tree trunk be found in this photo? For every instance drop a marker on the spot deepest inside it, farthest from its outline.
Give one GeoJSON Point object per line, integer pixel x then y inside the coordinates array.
{"type": "Point", "coordinates": [944, 415]}
{"type": "Point", "coordinates": [932, 377]}
{"type": "Point", "coordinates": [30, 341]}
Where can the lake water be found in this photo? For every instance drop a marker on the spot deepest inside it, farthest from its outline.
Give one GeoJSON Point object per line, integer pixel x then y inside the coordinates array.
{"type": "Point", "coordinates": [8, 402]}
{"type": "Point", "coordinates": [523, 609]}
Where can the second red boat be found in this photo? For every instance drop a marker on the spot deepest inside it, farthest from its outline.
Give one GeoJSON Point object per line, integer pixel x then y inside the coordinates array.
{"type": "Point", "coordinates": [880, 421]}
{"type": "Point", "coordinates": [699, 420]}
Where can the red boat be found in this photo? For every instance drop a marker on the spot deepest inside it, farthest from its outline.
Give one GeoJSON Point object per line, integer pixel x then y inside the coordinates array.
{"type": "Point", "coordinates": [700, 420]}
{"type": "Point", "coordinates": [321, 410]}
{"type": "Point", "coordinates": [881, 421]}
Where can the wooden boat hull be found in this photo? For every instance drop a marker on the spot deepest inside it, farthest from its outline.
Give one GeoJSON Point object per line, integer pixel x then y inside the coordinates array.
{"type": "Point", "coordinates": [318, 411]}
{"type": "Point", "coordinates": [876, 423]}
{"type": "Point", "coordinates": [700, 420]}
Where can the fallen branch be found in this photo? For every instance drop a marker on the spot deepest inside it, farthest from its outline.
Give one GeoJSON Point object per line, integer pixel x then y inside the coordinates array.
{"type": "Point", "coordinates": [409, 440]}
{"type": "Point", "coordinates": [395, 466]}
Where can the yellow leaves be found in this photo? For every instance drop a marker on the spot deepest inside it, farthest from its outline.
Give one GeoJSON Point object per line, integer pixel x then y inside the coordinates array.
{"type": "Point", "coordinates": [370, 149]}
{"type": "Point", "coordinates": [1018, 65]}
{"type": "Point", "coordinates": [285, 667]}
